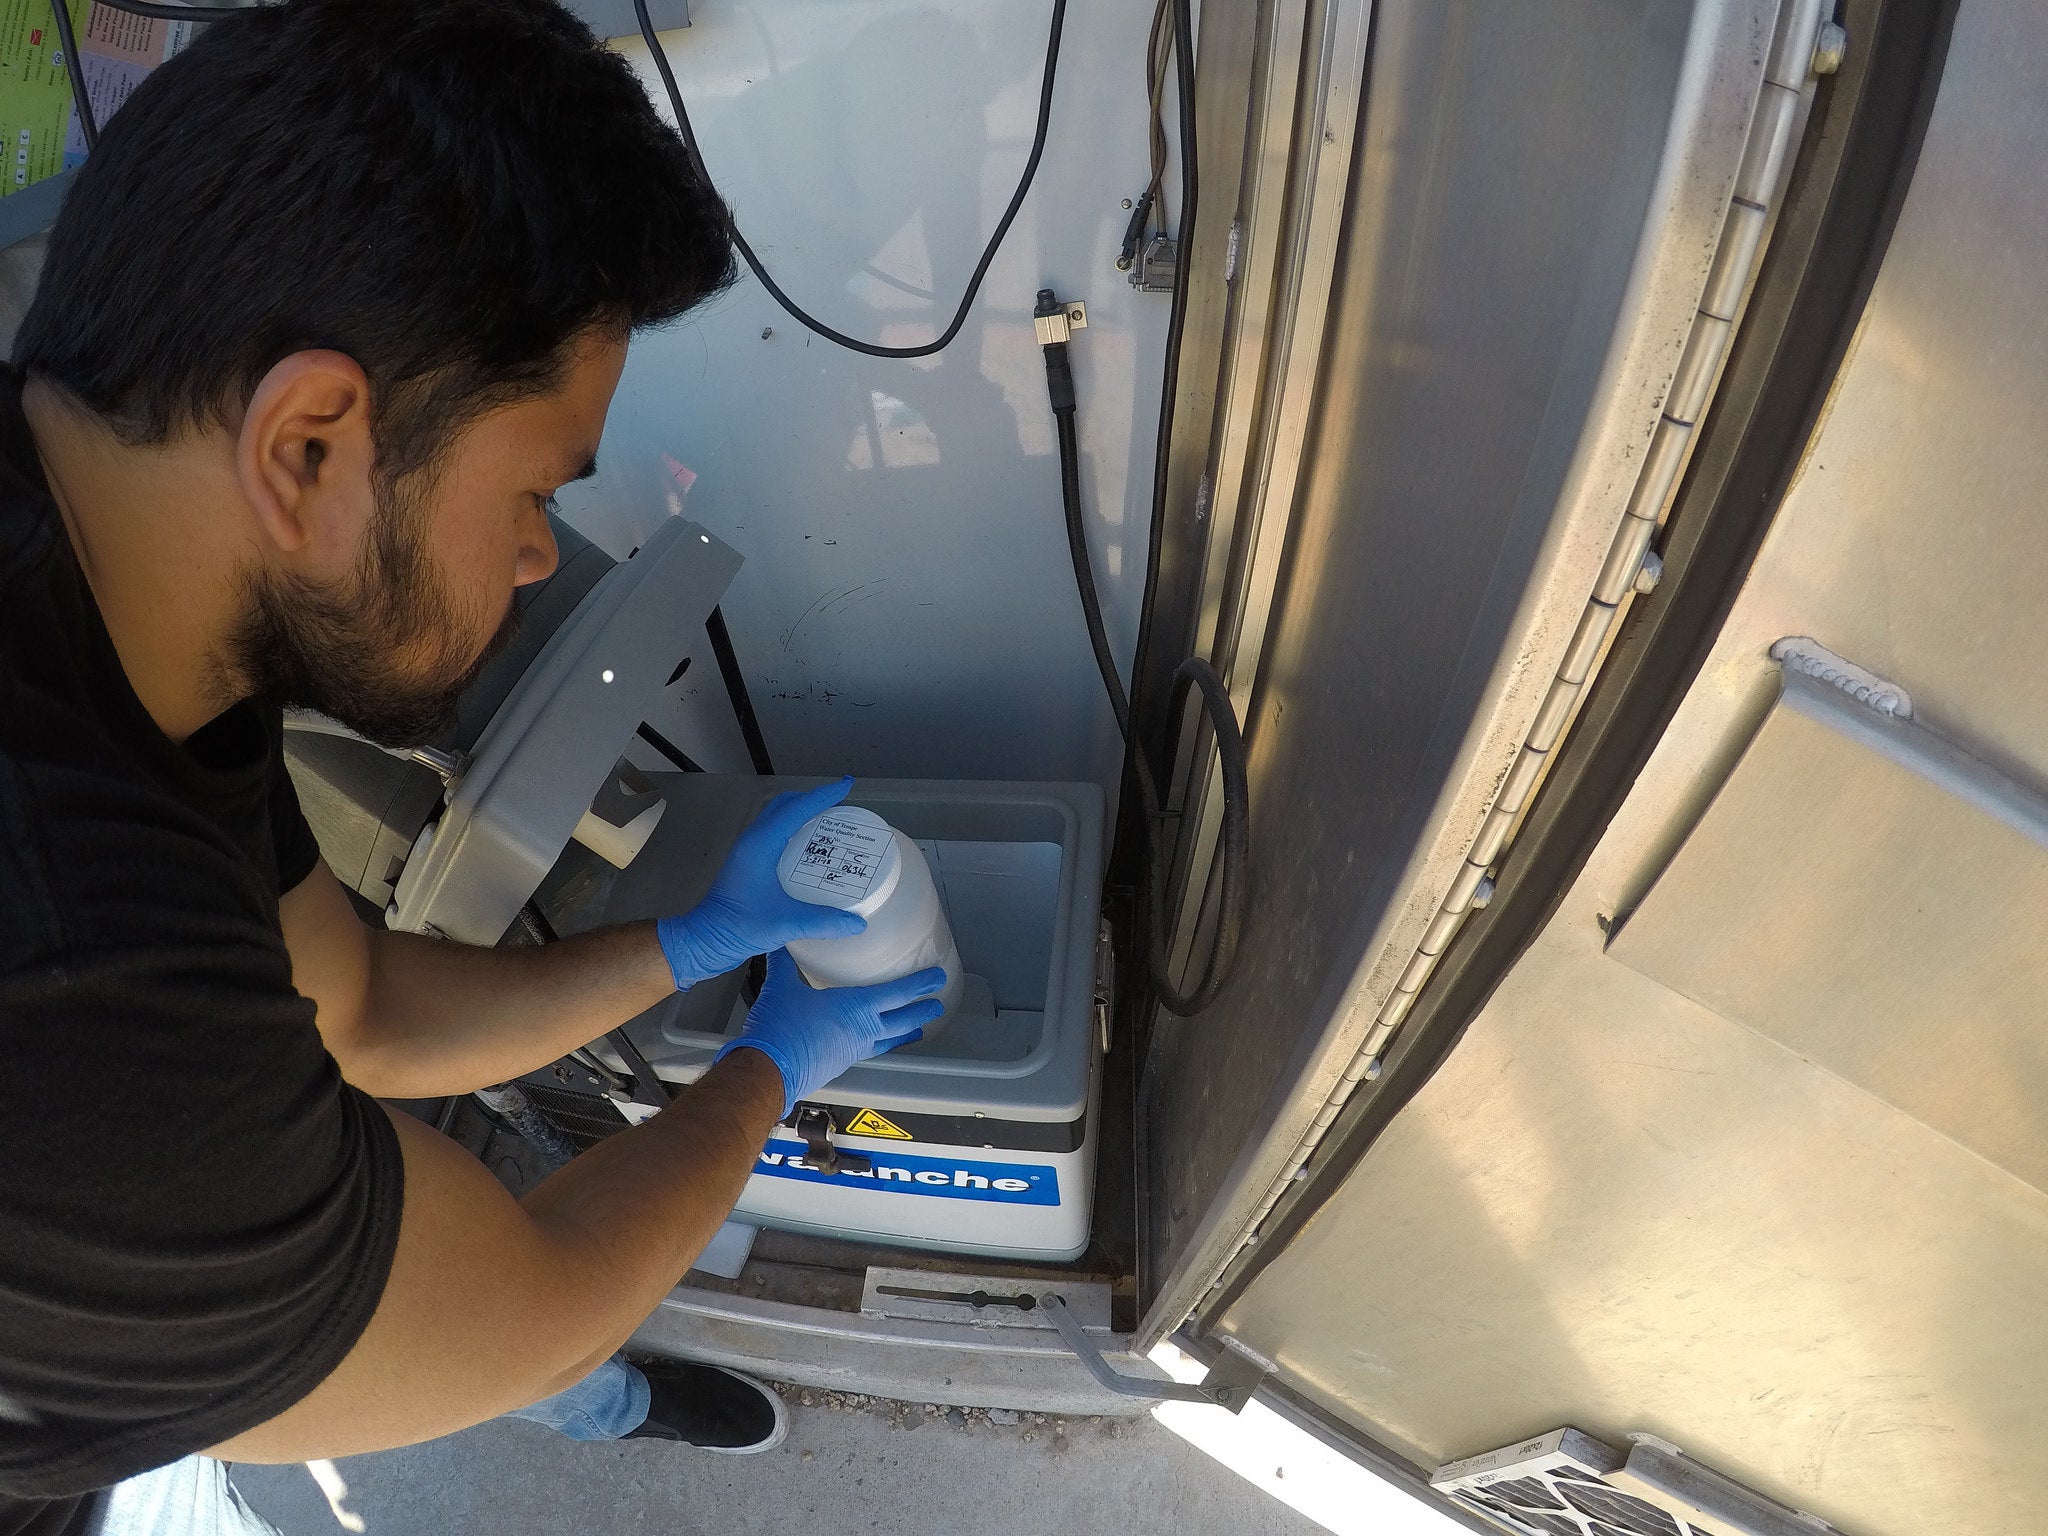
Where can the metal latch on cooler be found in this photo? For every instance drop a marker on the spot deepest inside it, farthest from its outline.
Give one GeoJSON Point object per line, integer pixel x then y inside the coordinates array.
{"type": "Point", "coordinates": [813, 1123]}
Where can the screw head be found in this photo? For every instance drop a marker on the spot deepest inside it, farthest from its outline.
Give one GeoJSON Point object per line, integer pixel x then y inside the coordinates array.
{"type": "Point", "coordinates": [1830, 48]}
{"type": "Point", "coordinates": [1127, 202]}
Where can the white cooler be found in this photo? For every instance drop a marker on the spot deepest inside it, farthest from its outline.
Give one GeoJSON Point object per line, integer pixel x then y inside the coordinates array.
{"type": "Point", "coordinates": [981, 1140]}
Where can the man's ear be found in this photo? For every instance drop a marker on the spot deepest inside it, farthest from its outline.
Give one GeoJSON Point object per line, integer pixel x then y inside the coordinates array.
{"type": "Point", "coordinates": [304, 457]}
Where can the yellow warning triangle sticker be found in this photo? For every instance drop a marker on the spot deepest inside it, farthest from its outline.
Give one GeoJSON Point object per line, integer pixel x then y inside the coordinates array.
{"type": "Point", "coordinates": [868, 1123]}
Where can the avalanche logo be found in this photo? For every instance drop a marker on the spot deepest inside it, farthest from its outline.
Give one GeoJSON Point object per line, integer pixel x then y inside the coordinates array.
{"type": "Point", "coordinates": [942, 1177]}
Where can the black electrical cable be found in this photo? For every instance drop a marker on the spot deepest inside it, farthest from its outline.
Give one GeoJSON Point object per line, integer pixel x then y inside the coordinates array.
{"type": "Point", "coordinates": [1176, 327]}
{"type": "Point", "coordinates": [1193, 672]}
{"type": "Point", "coordinates": [988, 255]}
{"type": "Point", "coordinates": [1177, 317]}
{"type": "Point", "coordinates": [175, 12]}
{"type": "Point", "coordinates": [74, 66]}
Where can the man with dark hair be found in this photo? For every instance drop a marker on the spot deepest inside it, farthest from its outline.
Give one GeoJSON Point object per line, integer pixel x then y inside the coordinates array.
{"type": "Point", "coordinates": [337, 304]}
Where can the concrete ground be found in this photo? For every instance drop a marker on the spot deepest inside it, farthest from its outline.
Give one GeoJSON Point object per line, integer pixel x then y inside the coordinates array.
{"type": "Point", "coordinates": [887, 1468]}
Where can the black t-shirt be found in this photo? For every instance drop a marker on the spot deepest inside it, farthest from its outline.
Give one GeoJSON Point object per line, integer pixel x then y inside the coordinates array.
{"type": "Point", "coordinates": [197, 1214]}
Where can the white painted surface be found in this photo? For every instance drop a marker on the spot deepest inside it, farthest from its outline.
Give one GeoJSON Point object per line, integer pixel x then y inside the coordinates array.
{"type": "Point", "coordinates": [907, 606]}
{"type": "Point", "coordinates": [1294, 1467]}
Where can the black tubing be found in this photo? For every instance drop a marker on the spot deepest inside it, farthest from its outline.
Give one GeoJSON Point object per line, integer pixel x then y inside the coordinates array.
{"type": "Point", "coordinates": [74, 66]}
{"type": "Point", "coordinates": [988, 255]}
{"type": "Point", "coordinates": [176, 12]}
{"type": "Point", "coordinates": [1084, 574]}
{"type": "Point", "coordinates": [1193, 672]}
{"type": "Point", "coordinates": [1176, 325]}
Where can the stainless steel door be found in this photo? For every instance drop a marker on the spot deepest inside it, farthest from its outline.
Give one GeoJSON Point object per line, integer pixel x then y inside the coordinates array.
{"type": "Point", "coordinates": [1419, 508]}
{"type": "Point", "coordinates": [1747, 1149]}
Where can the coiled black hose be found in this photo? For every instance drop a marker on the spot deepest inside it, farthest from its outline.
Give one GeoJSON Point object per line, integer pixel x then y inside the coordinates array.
{"type": "Point", "coordinates": [1191, 673]}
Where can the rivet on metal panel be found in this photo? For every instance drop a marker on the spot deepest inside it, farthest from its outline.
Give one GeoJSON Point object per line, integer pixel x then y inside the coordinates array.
{"type": "Point", "coordinates": [1442, 929]}
{"type": "Point", "coordinates": [1660, 468]}
{"type": "Point", "coordinates": [1491, 836]}
{"type": "Point", "coordinates": [1696, 369]}
{"type": "Point", "coordinates": [1550, 719]}
{"type": "Point", "coordinates": [1300, 1175]}
{"type": "Point", "coordinates": [1831, 48]}
{"type": "Point", "coordinates": [1734, 259]}
{"type": "Point", "coordinates": [1649, 574]}
{"type": "Point", "coordinates": [1770, 141]}
{"type": "Point", "coordinates": [1483, 895]}
{"type": "Point", "coordinates": [1578, 658]}
{"type": "Point", "coordinates": [1792, 50]}
{"type": "Point", "coordinates": [1419, 967]}
{"type": "Point", "coordinates": [1463, 884]}
{"type": "Point", "coordinates": [1624, 559]}
{"type": "Point", "coordinates": [1514, 789]}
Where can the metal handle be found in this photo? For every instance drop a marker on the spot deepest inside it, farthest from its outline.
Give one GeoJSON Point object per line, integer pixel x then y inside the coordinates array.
{"type": "Point", "coordinates": [1231, 1395]}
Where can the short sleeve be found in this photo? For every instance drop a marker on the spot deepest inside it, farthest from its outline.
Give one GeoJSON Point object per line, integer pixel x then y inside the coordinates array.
{"type": "Point", "coordinates": [197, 1207]}
{"type": "Point", "coordinates": [291, 835]}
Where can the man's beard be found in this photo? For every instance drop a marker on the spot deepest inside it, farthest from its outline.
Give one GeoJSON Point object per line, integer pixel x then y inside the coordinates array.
{"type": "Point", "coordinates": [388, 653]}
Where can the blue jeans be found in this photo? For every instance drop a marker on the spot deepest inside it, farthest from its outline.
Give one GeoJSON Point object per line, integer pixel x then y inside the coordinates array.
{"type": "Point", "coordinates": [611, 1401]}
{"type": "Point", "coordinates": [193, 1497]}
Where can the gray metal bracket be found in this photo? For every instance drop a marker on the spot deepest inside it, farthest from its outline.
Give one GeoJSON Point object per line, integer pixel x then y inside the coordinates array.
{"type": "Point", "coordinates": [555, 741]}
{"type": "Point", "coordinates": [1229, 1384]}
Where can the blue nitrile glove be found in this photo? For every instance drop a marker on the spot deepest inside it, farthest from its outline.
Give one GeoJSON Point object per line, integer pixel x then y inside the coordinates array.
{"type": "Point", "coordinates": [747, 912]}
{"type": "Point", "coordinates": [814, 1034]}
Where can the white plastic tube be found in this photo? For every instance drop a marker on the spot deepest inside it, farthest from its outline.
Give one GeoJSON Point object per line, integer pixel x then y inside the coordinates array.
{"type": "Point", "coordinates": [852, 859]}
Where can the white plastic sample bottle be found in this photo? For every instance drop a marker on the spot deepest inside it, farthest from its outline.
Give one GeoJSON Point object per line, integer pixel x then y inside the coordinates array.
{"type": "Point", "coordinates": [852, 859]}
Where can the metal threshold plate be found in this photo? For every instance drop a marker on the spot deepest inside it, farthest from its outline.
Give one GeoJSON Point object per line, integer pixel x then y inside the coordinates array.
{"type": "Point", "coordinates": [915, 1294]}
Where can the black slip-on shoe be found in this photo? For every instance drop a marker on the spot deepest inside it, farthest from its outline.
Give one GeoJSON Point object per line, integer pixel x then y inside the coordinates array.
{"type": "Point", "coordinates": [712, 1408]}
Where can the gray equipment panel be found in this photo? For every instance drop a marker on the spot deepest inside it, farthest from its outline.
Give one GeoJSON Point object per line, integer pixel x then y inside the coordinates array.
{"type": "Point", "coordinates": [546, 752]}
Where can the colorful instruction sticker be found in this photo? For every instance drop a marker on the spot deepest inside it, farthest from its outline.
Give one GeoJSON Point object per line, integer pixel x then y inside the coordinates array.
{"type": "Point", "coordinates": [38, 120]}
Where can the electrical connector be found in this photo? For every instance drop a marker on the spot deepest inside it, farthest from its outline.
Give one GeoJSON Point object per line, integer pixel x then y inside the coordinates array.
{"type": "Point", "coordinates": [1055, 320]}
{"type": "Point", "coordinates": [1134, 232]}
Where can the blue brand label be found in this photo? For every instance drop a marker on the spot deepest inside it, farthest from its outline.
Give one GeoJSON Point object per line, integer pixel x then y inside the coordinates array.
{"type": "Point", "coordinates": [944, 1177]}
